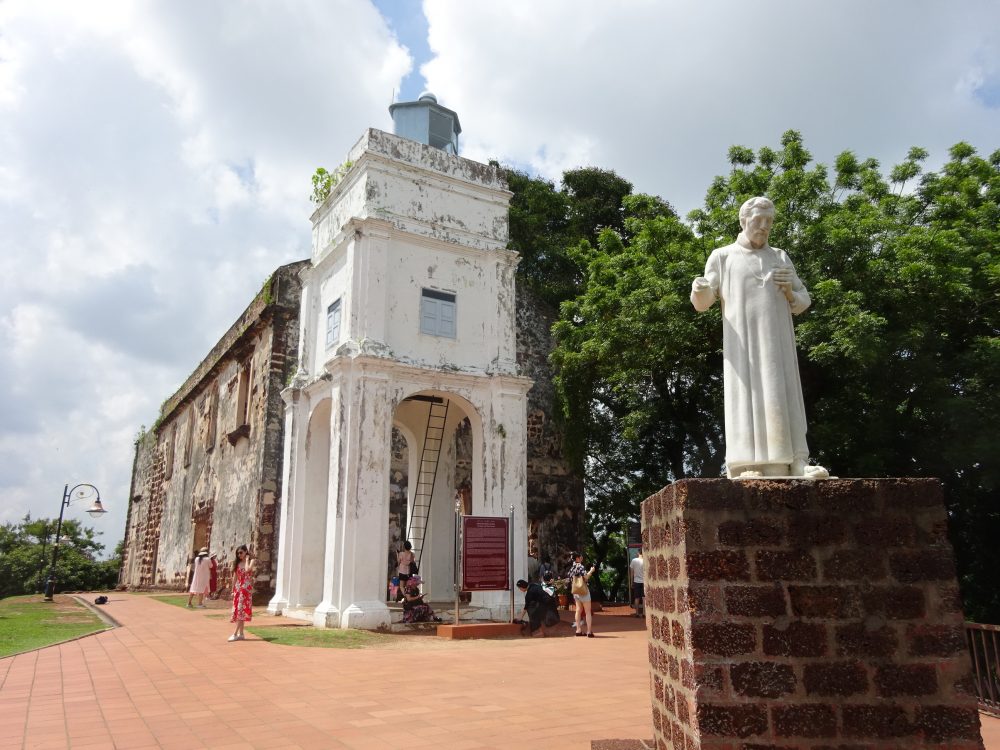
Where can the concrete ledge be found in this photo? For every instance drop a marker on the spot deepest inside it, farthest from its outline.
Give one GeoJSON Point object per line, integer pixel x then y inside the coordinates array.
{"type": "Point", "coordinates": [479, 630]}
{"type": "Point", "coordinates": [104, 617]}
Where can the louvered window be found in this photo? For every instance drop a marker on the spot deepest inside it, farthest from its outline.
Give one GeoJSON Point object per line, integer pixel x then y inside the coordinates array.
{"type": "Point", "coordinates": [437, 313]}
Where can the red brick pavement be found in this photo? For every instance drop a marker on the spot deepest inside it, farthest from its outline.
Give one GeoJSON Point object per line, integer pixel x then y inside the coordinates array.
{"type": "Point", "coordinates": [169, 679]}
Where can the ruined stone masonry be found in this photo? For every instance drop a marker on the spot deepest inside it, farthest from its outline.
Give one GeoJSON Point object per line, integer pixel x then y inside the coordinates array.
{"type": "Point", "coordinates": [805, 615]}
{"type": "Point", "coordinates": [209, 472]}
{"type": "Point", "coordinates": [555, 488]}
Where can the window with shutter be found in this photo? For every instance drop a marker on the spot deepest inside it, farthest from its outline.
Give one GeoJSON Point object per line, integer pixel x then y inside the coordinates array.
{"type": "Point", "coordinates": [437, 313]}
{"type": "Point", "coordinates": [333, 324]}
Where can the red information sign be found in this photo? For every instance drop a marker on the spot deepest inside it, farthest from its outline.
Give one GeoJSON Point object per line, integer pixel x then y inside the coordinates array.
{"type": "Point", "coordinates": [485, 553]}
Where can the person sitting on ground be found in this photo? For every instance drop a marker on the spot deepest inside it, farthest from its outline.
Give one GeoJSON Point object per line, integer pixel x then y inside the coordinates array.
{"type": "Point", "coordinates": [539, 607]}
{"type": "Point", "coordinates": [414, 607]}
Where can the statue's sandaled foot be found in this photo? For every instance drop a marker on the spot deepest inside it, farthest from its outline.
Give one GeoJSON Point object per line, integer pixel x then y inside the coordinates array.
{"type": "Point", "coordinates": [815, 472]}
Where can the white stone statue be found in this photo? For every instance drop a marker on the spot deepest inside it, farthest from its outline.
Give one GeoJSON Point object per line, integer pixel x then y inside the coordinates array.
{"type": "Point", "coordinates": [759, 292]}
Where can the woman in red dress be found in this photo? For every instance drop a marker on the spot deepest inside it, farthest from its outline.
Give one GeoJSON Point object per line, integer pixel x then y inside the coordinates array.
{"type": "Point", "coordinates": [243, 574]}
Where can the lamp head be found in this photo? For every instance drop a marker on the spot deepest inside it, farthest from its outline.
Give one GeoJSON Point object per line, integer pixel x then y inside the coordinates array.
{"type": "Point", "coordinates": [96, 510]}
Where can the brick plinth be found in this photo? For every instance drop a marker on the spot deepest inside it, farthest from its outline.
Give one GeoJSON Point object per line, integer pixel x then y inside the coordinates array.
{"type": "Point", "coordinates": [804, 615]}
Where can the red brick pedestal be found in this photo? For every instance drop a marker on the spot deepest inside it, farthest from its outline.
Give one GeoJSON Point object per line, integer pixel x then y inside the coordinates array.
{"type": "Point", "coordinates": [799, 614]}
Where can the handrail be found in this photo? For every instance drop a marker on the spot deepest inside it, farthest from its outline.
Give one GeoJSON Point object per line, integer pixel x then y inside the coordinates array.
{"type": "Point", "coordinates": [984, 650]}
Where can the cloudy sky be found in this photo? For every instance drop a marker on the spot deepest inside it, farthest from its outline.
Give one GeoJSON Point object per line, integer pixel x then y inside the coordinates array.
{"type": "Point", "coordinates": [155, 157]}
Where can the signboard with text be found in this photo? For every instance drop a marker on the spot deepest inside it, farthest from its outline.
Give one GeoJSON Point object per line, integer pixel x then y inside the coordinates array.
{"type": "Point", "coordinates": [485, 553]}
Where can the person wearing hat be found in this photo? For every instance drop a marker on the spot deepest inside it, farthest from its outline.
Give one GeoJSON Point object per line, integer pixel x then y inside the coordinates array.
{"type": "Point", "coordinates": [200, 577]}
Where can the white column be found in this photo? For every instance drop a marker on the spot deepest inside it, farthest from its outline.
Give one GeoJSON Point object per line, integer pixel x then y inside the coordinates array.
{"type": "Point", "coordinates": [290, 485]}
{"type": "Point", "coordinates": [365, 495]}
{"type": "Point", "coordinates": [327, 613]}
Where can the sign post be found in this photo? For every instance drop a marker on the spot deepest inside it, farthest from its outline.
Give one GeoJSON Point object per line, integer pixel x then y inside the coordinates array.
{"type": "Point", "coordinates": [458, 560]}
{"type": "Point", "coordinates": [486, 554]}
{"type": "Point", "coordinates": [510, 556]}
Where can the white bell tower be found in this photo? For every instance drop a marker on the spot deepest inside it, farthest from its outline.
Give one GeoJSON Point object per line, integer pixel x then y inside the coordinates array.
{"type": "Point", "coordinates": [407, 321]}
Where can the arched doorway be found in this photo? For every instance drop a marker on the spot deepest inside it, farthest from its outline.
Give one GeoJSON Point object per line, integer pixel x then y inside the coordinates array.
{"type": "Point", "coordinates": [443, 433]}
{"type": "Point", "coordinates": [315, 501]}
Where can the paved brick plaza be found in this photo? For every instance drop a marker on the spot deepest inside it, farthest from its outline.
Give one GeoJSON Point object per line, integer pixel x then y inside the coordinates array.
{"type": "Point", "coordinates": [168, 679]}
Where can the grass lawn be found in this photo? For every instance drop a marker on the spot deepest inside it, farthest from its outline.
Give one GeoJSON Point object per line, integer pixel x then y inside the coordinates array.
{"type": "Point", "coordinates": [29, 622]}
{"type": "Point", "coordinates": [297, 635]}
{"type": "Point", "coordinates": [304, 635]}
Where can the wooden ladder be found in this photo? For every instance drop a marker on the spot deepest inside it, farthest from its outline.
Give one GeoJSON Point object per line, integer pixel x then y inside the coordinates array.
{"type": "Point", "coordinates": [430, 455]}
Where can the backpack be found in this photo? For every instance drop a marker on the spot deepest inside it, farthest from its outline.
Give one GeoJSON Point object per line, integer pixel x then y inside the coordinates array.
{"type": "Point", "coordinates": [101, 600]}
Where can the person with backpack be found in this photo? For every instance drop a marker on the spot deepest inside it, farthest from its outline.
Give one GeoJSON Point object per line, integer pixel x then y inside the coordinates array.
{"type": "Point", "coordinates": [580, 588]}
{"type": "Point", "coordinates": [540, 608]}
{"type": "Point", "coordinates": [546, 568]}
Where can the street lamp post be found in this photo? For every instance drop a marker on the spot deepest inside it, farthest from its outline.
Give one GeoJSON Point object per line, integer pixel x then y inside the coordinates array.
{"type": "Point", "coordinates": [96, 510]}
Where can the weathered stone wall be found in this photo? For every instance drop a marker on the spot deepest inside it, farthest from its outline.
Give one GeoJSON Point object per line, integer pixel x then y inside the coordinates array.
{"type": "Point", "coordinates": [797, 614]}
{"type": "Point", "coordinates": [137, 562]}
{"type": "Point", "coordinates": [555, 488]}
{"type": "Point", "coordinates": [209, 473]}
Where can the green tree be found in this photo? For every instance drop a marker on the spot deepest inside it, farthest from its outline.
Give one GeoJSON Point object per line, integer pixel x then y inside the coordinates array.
{"type": "Point", "coordinates": [545, 221]}
{"type": "Point", "coordinates": [26, 553]}
{"type": "Point", "coordinates": [899, 354]}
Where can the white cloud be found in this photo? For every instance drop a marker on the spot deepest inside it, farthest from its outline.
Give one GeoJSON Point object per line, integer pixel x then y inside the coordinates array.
{"type": "Point", "coordinates": [154, 168]}
{"type": "Point", "coordinates": [659, 91]}
{"type": "Point", "coordinates": [155, 156]}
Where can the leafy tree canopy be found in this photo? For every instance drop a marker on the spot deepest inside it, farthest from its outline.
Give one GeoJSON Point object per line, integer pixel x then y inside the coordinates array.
{"type": "Point", "coordinates": [26, 552]}
{"type": "Point", "coordinates": [546, 220]}
{"type": "Point", "coordinates": [899, 354]}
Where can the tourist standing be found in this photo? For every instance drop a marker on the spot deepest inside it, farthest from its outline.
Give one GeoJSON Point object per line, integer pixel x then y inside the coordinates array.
{"type": "Point", "coordinates": [199, 578]}
{"type": "Point", "coordinates": [546, 568]}
{"type": "Point", "coordinates": [213, 576]}
{"type": "Point", "coordinates": [579, 578]}
{"type": "Point", "coordinates": [243, 575]}
{"type": "Point", "coordinates": [636, 572]}
{"type": "Point", "coordinates": [406, 565]}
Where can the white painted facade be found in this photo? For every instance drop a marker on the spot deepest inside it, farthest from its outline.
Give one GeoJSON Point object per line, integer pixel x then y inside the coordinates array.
{"type": "Point", "coordinates": [405, 218]}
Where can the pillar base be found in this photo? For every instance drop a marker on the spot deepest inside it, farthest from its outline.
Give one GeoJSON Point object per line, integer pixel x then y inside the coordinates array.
{"type": "Point", "coordinates": [370, 615]}
{"type": "Point", "coordinates": [326, 615]}
{"type": "Point", "coordinates": [801, 614]}
{"type": "Point", "coordinates": [276, 606]}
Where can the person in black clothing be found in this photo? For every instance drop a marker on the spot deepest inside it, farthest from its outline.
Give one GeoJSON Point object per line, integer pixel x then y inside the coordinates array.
{"type": "Point", "coordinates": [539, 608]}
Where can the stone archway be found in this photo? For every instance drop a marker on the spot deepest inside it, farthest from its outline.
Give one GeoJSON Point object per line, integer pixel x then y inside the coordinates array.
{"type": "Point", "coordinates": [309, 590]}
{"type": "Point", "coordinates": [433, 499]}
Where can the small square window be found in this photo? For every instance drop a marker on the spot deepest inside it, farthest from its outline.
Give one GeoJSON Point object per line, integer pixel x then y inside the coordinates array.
{"type": "Point", "coordinates": [437, 313]}
{"type": "Point", "coordinates": [333, 324]}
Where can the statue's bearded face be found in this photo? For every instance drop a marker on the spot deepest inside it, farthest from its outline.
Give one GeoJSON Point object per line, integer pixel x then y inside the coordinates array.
{"type": "Point", "coordinates": [758, 227]}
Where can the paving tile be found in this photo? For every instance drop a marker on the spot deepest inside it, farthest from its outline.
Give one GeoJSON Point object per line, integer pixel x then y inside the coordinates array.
{"type": "Point", "coordinates": [169, 679]}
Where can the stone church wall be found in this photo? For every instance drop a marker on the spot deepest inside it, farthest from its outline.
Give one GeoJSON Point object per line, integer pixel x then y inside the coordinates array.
{"type": "Point", "coordinates": [209, 473]}
{"type": "Point", "coordinates": [555, 488]}
{"type": "Point", "coordinates": [201, 478]}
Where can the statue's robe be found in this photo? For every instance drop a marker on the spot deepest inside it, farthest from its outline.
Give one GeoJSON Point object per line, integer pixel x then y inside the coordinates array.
{"type": "Point", "coordinates": [765, 415]}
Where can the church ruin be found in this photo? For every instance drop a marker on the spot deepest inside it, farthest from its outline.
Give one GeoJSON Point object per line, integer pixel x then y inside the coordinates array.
{"type": "Point", "coordinates": [402, 385]}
